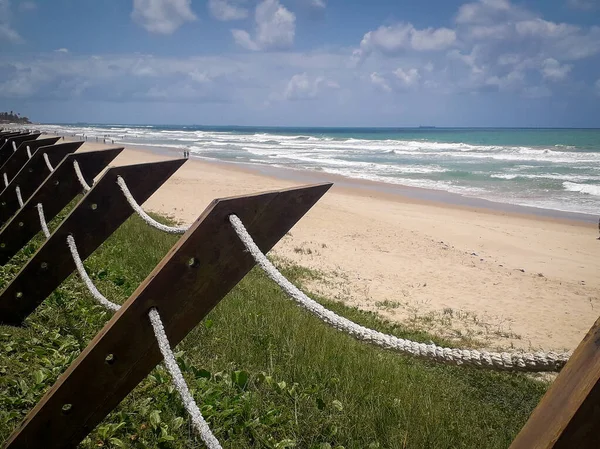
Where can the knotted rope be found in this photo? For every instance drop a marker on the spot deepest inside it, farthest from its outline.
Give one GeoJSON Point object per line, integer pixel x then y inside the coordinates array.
{"type": "Point", "coordinates": [165, 348]}
{"type": "Point", "coordinates": [5, 179]}
{"type": "Point", "coordinates": [530, 362]}
{"type": "Point", "coordinates": [143, 215]}
{"type": "Point", "coordinates": [48, 164]}
{"type": "Point", "coordinates": [43, 223]}
{"type": "Point", "coordinates": [14, 145]}
{"type": "Point", "coordinates": [82, 181]}
{"type": "Point", "coordinates": [28, 151]}
{"type": "Point", "coordinates": [19, 197]}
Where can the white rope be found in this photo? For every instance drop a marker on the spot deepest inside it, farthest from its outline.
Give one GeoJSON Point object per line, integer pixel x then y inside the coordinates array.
{"type": "Point", "coordinates": [48, 164]}
{"type": "Point", "coordinates": [5, 179]}
{"type": "Point", "coordinates": [28, 151]}
{"type": "Point", "coordinates": [43, 223]}
{"type": "Point", "coordinates": [19, 197]}
{"type": "Point", "coordinates": [165, 349]}
{"type": "Point", "coordinates": [86, 279]}
{"type": "Point", "coordinates": [143, 215]}
{"type": "Point", "coordinates": [179, 382]}
{"type": "Point", "coordinates": [80, 177]}
{"type": "Point", "coordinates": [532, 362]}
{"type": "Point", "coordinates": [14, 146]}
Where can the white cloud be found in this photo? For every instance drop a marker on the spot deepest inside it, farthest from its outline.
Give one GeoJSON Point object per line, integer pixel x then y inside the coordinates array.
{"type": "Point", "coordinates": [380, 82]}
{"type": "Point", "coordinates": [162, 16]}
{"type": "Point", "coordinates": [408, 77]}
{"type": "Point", "coordinates": [7, 32]}
{"type": "Point", "coordinates": [318, 4]}
{"type": "Point", "coordinates": [243, 39]}
{"type": "Point", "coordinates": [486, 12]}
{"type": "Point", "coordinates": [248, 77]}
{"type": "Point", "coordinates": [544, 29]}
{"type": "Point", "coordinates": [552, 70]}
{"type": "Point", "coordinates": [227, 9]}
{"type": "Point", "coordinates": [511, 81]}
{"type": "Point", "coordinates": [494, 45]}
{"type": "Point", "coordinates": [496, 23]}
{"type": "Point", "coordinates": [597, 86]}
{"type": "Point", "coordinates": [303, 87]}
{"type": "Point", "coordinates": [62, 50]}
{"type": "Point", "coordinates": [585, 5]}
{"type": "Point", "coordinates": [404, 36]}
{"type": "Point", "coordinates": [275, 28]}
{"type": "Point", "coordinates": [200, 77]}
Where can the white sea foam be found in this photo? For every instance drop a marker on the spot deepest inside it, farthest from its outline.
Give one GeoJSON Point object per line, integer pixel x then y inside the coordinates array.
{"type": "Point", "coordinates": [589, 189]}
{"type": "Point", "coordinates": [419, 163]}
{"type": "Point", "coordinates": [554, 176]}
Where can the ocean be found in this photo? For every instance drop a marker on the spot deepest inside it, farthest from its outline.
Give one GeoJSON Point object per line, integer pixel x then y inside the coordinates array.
{"type": "Point", "coordinates": [555, 169]}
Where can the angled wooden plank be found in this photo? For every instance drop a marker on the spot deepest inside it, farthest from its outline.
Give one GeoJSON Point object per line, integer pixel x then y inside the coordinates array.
{"type": "Point", "coordinates": [29, 178]}
{"type": "Point", "coordinates": [101, 211]}
{"type": "Point", "coordinates": [6, 134]}
{"type": "Point", "coordinates": [204, 265]}
{"type": "Point", "coordinates": [6, 141]}
{"type": "Point", "coordinates": [57, 190]}
{"type": "Point", "coordinates": [16, 160]}
{"type": "Point", "coordinates": [7, 149]}
{"type": "Point", "coordinates": [568, 416]}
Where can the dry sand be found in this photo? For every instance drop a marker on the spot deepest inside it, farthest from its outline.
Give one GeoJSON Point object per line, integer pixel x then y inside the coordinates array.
{"type": "Point", "coordinates": [503, 279]}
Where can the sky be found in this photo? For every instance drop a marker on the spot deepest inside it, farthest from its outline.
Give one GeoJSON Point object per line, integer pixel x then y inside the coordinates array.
{"type": "Point", "coordinates": [389, 63]}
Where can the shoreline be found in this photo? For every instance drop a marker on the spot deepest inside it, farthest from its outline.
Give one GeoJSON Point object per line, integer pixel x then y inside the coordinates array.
{"type": "Point", "coordinates": [482, 277]}
{"type": "Point", "coordinates": [401, 192]}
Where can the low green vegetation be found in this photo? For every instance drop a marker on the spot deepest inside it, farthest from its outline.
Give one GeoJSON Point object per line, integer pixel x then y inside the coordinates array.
{"type": "Point", "coordinates": [265, 373]}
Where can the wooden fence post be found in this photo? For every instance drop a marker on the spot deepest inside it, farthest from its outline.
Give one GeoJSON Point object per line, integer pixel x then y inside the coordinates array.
{"type": "Point", "coordinates": [29, 178]}
{"type": "Point", "coordinates": [202, 267]}
{"type": "Point", "coordinates": [55, 193]}
{"type": "Point", "coordinates": [7, 149]}
{"type": "Point", "coordinates": [568, 416]}
{"type": "Point", "coordinates": [101, 211]}
{"type": "Point", "coordinates": [6, 134]}
{"type": "Point", "coordinates": [19, 158]}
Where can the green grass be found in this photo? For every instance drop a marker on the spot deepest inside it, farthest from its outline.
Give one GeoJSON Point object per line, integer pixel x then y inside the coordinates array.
{"type": "Point", "coordinates": [265, 373]}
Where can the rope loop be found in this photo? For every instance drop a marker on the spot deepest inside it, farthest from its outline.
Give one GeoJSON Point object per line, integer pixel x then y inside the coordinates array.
{"type": "Point", "coordinates": [179, 382]}
{"type": "Point", "coordinates": [504, 361]}
{"type": "Point", "coordinates": [43, 223]}
{"type": "Point", "coordinates": [19, 197]}
{"type": "Point", "coordinates": [48, 164]}
{"type": "Point", "coordinates": [143, 215]}
{"type": "Point", "coordinates": [86, 279]}
{"type": "Point", "coordinates": [82, 181]}
{"type": "Point", "coordinates": [165, 348]}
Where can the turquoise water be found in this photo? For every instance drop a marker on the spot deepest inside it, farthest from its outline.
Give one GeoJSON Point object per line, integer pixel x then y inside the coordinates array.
{"type": "Point", "coordinates": [548, 168]}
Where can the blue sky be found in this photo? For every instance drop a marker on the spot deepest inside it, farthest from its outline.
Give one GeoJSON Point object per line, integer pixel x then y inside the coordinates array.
{"type": "Point", "coordinates": [303, 62]}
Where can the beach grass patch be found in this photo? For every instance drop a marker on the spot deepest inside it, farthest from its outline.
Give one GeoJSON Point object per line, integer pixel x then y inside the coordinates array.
{"type": "Point", "coordinates": [265, 373]}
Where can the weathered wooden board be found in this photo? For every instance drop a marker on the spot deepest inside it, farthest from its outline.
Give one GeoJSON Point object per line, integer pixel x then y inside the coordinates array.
{"type": "Point", "coordinates": [16, 160]}
{"type": "Point", "coordinates": [56, 192]}
{"type": "Point", "coordinates": [568, 416]}
{"type": "Point", "coordinates": [7, 149]}
{"type": "Point", "coordinates": [6, 134]}
{"type": "Point", "coordinates": [29, 178]}
{"type": "Point", "coordinates": [101, 211]}
{"type": "Point", "coordinates": [206, 263]}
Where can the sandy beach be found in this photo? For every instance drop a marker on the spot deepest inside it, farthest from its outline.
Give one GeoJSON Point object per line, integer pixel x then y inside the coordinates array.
{"type": "Point", "coordinates": [502, 279]}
